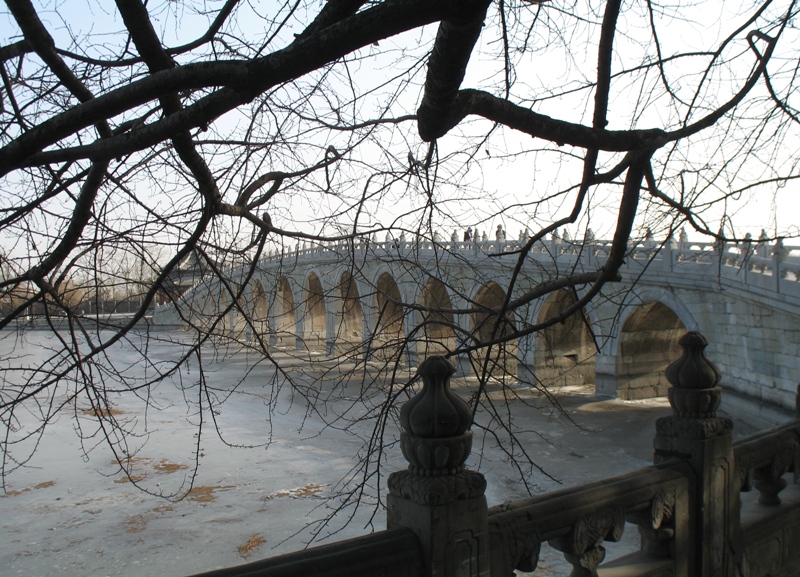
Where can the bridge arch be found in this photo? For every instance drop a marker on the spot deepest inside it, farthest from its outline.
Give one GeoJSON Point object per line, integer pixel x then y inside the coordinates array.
{"type": "Point", "coordinates": [314, 313]}
{"type": "Point", "coordinates": [437, 335]}
{"type": "Point", "coordinates": [284, 314]}
{"type": "Point", "coordinates": [564, 353]}
{"type": "Point", "coordinates": [259, 308]}
{"type": "Point", "coordinates": [647, 342]}
{"type": "Point", "coordinates": [348, 312]}
{"type": "Point", "coordinates": [388, 327]}
{"type": "Point", "coordinates": [641, 295]}
{"type": "Point", "coordinates": [486, 323]}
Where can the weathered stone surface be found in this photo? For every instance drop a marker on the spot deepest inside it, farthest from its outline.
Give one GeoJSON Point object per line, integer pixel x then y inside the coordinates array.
{"type": "Point", "coordinates": [439, 490]}
{"type": "Point", "coordinates": [435, 412]}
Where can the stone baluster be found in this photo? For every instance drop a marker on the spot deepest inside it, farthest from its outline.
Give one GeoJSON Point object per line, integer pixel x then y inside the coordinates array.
{"type": "Point", "coordinates": [583, 546]}
{"type": "Point", "coordinates": [768, 480]}
{"type": "Point", "coordinates": [436, 497]}
{"type": "Point", "coordinates": [779, 256]}
{"type": "Point", "coordinates": [696, 435]}
{"type": "Point", "coordinates": [657, 525]}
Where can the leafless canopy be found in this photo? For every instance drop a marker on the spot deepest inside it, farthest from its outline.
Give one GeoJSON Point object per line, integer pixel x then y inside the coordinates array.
{"type": "Point", "coordinates": [136, 136]}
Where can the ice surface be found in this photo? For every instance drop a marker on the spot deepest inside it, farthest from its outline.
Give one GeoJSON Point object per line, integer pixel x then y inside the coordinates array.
{"type": "Point", "coordinates": [71, 511]}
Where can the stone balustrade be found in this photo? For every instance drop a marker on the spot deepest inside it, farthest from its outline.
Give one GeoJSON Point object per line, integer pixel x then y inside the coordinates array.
{"type": "Point", "coordinates": [752, 259]}
{"type": "Point", "coordinates": [579, 520]}
{"type": "Point", "coordinates": [755, 268]}
{"type": "Point", "coordinates": [395, 553]}
{"type": "Point", "coordinates": [688, 506]}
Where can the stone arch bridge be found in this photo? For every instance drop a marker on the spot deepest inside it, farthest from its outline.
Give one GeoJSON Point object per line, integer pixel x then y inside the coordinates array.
{"type": "Point", "coordinates": [411, 299]}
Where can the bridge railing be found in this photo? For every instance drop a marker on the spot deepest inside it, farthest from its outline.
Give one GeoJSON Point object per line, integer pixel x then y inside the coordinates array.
{"type": "Point", "coordinates": [581, 520]}
{"type": "Point", "coordinates": [772, 268]}
{"type": "Point", "coordinates": [751, 260]}
{"type": "Point", "coordinates": [552, 247]}
{"type": "Point", "coordinates": [687, 506]}
{"type": "Point", "coordinates": [770, 529]}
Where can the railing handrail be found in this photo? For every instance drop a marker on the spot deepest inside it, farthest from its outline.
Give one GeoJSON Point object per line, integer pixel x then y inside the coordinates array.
{"type": "Point", "coordinates": [647, 497]}
{"type": "Point", "coordinates": [768, 454]}
{"type": "Point", "coordinates": [631, 491]}
{"type": "Point", "coordinates": [752, 249]}
{"type": "Point", "coordinates": [391, 552]}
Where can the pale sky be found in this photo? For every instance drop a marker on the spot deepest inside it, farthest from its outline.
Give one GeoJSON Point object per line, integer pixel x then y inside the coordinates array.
{"type": "Point", "coordinates": [509, 173]}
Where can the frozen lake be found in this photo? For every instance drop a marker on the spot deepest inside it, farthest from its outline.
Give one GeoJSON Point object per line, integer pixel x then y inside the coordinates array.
{"type": "Point", "coordinates": [71, 511]}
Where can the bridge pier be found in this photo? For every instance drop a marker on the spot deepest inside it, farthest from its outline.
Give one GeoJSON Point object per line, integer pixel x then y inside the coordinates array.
{"type": "Point", "coordinates": [526, 362]}
{"type": "Point", "coordinates": [463, 368]}
{"type": "Point", "coordinates": [605, 376]}
{"type": "Point", "coordinates": [526, 372]}
{"type": "Point", "coordinates": [330, 345]}
{"type": "Point", "coordinates": [412, 357]}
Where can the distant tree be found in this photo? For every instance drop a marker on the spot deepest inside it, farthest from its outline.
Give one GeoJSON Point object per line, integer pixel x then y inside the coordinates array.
{"type": "Point", "coordinates": [177, 129]}
{"type": "Point", "coordinates": [72, 294]}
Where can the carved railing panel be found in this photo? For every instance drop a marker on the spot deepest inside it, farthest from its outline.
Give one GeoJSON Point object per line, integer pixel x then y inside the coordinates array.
{"type": "Point", "coordinates": [578, 520]}
{"type": "Point", "coordinates": [764, 458]}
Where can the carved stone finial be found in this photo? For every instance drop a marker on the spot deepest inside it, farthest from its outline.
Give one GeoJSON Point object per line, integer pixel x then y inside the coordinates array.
{"type": "Point", "coordinates": [435, 412]}
{"type": "Point", "coordinates": [436, 442]}
{"type": "Point", "coordinates": [693, 370]}
{"type": "Point", "coordinates": [694, 392]}
{"type": "Point", "coordinates": [435, 439]}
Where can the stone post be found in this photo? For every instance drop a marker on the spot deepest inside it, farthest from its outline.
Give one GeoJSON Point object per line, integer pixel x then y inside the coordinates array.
{"type": "Point", "coordinates": [668, 252]}
{"type": "Point", "coordinates": [436, 497]}
{"type": "Point", "coordinates": [779, 255]}
{"type": "Point", "coordinates": [696, 435]}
